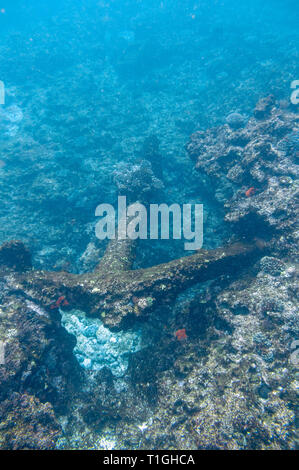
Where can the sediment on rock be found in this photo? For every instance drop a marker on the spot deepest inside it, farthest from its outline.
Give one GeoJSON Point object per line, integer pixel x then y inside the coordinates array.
{"type": "Point", "coordinates": [113, 293]}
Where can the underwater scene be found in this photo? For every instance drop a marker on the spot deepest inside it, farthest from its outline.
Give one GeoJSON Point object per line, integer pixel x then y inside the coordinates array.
{"type": "Point", "coordinates": [148, 224]}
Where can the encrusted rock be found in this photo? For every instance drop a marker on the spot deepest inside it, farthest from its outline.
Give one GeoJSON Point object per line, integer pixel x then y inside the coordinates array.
{"type": "Point", "coordinates": [272, 265]}
{"type": "Point", "coordinates": [263, 107]}
{"type": "Point", "coordinates": [254, 169]}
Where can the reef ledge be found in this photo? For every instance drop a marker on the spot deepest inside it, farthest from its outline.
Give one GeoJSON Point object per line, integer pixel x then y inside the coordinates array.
{"type": "Point", "coordinates": [113, 291]}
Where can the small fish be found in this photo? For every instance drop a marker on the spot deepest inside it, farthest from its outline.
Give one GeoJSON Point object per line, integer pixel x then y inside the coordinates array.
{"type": "Point", "coordinates": [250, 192]}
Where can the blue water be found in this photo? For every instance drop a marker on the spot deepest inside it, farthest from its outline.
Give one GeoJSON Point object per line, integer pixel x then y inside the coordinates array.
{"type": "Point", "coordinates": [94, 87]}
{"type": "Point", "coordinates": [94, 79]}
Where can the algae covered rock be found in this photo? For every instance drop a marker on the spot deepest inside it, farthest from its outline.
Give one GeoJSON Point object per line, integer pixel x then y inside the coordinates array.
{"type": "Point", "coordinates": [37, 371]}
{"type": "Point", "coordinates": [26, 423]}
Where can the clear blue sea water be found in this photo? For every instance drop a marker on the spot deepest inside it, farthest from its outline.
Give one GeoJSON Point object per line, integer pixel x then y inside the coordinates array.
{"type": "Point", "coordinates": [92, 80]}
{"type": "Point", "coordinates": [92, 88]}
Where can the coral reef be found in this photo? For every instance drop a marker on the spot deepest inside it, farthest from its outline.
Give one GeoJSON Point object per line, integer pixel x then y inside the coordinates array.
{"type": "Point", "coordinates": [253, 157]}
{"type": "Point", "coordinates": [233, 386]}
{"type": "Point", "coordinates": [137, 181]}
{"type": "Point", "coordinates": [97, 346]}
{"type": "Point", "coordinates": [95, 90]}
{"type": "Point", "coordinates": [38, 372]}
{"type": "Point", "coordinates": [27, 424]}
{"type": "Point", "coordinates": [231, 383]}
{"type": "Point", "coordinates": [97, 113]}
{"type": "Point", "coordinates": [226, 380]}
